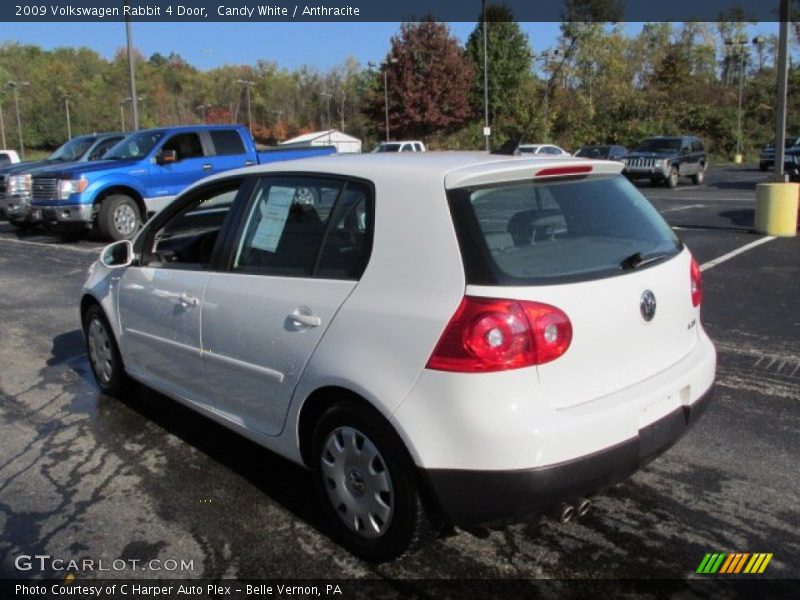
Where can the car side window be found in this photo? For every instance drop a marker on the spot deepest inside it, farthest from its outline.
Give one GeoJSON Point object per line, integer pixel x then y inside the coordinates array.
{"type": "Point", "coordinates": [407, 148]}
{"type": "Point", "coordinates": [697, 146]}
{"type": "Point", "coordinates": [227, 141]}
{"type": "Point", "coordinates": [185, 145]}
{"type": "Point", "coordinates": [103, 147]}
{"type": "Point", "coordinates": [551, 150]}
{"type": "Point", "coordinates": [187, 239]}
{"type": "Point", "coordinates": [305, 226]}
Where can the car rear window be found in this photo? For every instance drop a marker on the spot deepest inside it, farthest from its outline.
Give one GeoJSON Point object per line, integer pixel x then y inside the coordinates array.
{"type": "Point", "coordinates": [534, 233]}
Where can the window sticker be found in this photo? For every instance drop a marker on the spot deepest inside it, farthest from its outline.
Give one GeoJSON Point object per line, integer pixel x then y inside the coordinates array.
{"type": "Point", "coordinates": [274, 213]}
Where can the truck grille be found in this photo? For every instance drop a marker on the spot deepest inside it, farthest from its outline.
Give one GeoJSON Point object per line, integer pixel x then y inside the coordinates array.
{"type": "Point", "coordinates": [45, 189]}
{"type": "Point", "coordinates": [2, 187]}
{"type": "Point", "coordinates": [641, 163]}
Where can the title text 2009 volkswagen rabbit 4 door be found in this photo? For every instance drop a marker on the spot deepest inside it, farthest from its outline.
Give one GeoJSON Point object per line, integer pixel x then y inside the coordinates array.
{"type": "Point", "coordinates": [439, 338]}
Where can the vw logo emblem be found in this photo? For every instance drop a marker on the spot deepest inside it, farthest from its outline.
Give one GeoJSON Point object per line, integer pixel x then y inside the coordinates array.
{"type": "Point", "coordinates": [647, 305]}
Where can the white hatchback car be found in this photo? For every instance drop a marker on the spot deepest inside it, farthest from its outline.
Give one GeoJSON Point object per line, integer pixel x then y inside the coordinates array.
{"type": "Point", "coordinates": [439, 338]}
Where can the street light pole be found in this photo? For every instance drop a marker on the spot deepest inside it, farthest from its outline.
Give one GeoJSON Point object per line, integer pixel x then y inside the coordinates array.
{"type": "Point", "coordinates": [69, 125]}
{"type": "Point", "coordinates": [203, 108]}
{"type": "Point", "coordinates": [783, 80]}
{"type": "Point", "coordinates": [247, 83]}
{"type": "Point", "coordinates": [15, 85]}
{"type": "Point", "coordinates": [131, 70]}
{"type": "Point", "coordinates": [487, 132]}
{"type": "Point", "coordinates": [2, 124]}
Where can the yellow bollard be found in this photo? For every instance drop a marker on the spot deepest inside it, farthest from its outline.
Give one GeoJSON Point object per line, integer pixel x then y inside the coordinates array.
{"type": "Point", "coordinates": [776, 208]}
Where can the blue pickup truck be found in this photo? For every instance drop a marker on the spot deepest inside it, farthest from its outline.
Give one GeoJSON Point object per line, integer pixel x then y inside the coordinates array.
{"type": "Point", "coordinates": [15, 180]}
{"type": "Point", "coordinates": [142, 174]}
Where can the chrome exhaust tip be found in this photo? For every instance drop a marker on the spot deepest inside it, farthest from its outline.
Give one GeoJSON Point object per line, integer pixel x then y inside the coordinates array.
{"type": "Point", "coordinates": [582, 507]}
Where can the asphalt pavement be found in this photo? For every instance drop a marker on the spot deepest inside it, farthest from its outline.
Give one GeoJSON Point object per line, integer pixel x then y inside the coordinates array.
{"type": "Point", "coordinates": [83, 475]}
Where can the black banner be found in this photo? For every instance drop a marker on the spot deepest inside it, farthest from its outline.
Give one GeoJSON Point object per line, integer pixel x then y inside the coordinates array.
{"type": "Point", "coordinates": [381, 10]}
{"type": "Point", "coordinates": [372, 589]}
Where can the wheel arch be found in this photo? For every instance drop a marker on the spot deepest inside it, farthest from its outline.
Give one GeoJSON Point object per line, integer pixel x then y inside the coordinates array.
{"type": "Point", "coordinates": [123, 190]}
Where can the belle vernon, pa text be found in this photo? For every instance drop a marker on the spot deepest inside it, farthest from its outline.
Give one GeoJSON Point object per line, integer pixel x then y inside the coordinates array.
{"type": "Point", "coordinates": [138, 590]}
{"type": "Point", "coordinates": [178, 10]}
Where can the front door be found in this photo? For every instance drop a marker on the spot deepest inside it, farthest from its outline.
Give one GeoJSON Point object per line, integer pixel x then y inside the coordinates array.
{"type": "Point", "coordinates": [303, 246]}
{"type": "Point", "coordinates": [160, 301]}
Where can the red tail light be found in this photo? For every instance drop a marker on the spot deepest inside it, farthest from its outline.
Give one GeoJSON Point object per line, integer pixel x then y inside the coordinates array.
{"type": "Point", "coordinates": [488, 334]}
{"type": "Point", "coordinates": [697, 283]}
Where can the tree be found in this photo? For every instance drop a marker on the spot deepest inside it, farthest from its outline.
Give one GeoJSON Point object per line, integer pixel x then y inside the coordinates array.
{"type": "Point", "coordinates": [509, 62]}
{"type": "Point", "coordinates": [429, 79]}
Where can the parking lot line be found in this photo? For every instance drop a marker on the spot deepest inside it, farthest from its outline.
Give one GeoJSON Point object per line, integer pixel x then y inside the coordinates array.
{"type": "Point", "coordinates": [57, 246]}
{"type": "Point", "coordinates": [730, 255]}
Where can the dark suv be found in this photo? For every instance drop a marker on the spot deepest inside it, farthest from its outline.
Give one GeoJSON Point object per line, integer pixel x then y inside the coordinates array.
{"type": "Point", "coordinates": [667, 159]}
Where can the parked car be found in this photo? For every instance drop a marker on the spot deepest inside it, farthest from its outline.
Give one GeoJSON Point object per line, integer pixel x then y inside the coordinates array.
{"type": "Point", "coordinates": [791, 163]}
{"type": "Point", "coordinates": [766, 158]}
{"type": "Point", "coordinates": [666, 159]}
{"type": "Point", "coordinates": [416, 346]}
{"type": "Point", "coordinates": [404, 146]}
{"type": "Point", "coordinates": [602, 152]}
{"type": "Point", "coordinates": [142, 174]}
{"type": "Point", "coordinates": [8, 157]}
{"type": "Point", "coordinates": [548, 150]}
{"type": "Point", "coordinates": [16, 180]}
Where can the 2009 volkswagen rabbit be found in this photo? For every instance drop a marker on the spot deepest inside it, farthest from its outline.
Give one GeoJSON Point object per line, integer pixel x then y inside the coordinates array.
{"type": "Point", "coordinates": [438, 337]}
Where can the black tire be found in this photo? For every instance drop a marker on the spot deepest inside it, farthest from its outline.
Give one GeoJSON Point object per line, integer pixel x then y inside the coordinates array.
{"type": "Point", "coordinates": [105, 361]}
{"type": "Point", "coordinates": [22, 225]}
{"type": "Point", "coordinates": [672, 179]}
{"type": "Point", "coordinates": [700, 176]}
{"type": "Point", "coordinates": [118, 218]}
{"type": "Point", "coordinates": [408, 526]}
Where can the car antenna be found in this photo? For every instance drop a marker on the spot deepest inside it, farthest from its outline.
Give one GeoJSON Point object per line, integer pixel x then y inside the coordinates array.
{"type": "Point", "coordinates": [510, 148]}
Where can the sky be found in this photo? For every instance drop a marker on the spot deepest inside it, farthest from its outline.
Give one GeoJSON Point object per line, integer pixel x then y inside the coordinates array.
{"type": "Point", "coordinates": [290, 45]}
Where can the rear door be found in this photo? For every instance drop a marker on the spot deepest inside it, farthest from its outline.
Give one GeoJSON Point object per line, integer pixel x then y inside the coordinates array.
{"type": "Point", "coordinates": [229, 150]}
{"type": "Point", "coordinates": [596, 249]}
{"type": "Point", "coordinates": [302, 246]}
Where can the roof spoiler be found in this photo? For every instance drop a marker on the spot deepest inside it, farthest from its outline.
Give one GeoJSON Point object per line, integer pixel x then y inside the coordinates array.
{"type": "Point", "coordinates": [510, 148]}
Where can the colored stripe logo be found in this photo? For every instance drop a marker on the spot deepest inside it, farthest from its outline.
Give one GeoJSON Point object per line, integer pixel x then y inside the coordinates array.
{"type": "Point", "coordinates": [734, 563]}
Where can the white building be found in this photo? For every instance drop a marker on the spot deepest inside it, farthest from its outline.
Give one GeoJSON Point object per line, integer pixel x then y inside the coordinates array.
{"type": "Point", "coordinates": [333, 137]}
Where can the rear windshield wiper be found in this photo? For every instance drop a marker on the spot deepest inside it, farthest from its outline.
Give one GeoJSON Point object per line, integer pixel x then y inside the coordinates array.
{"type": "Point", "coordinates": [636, 260]}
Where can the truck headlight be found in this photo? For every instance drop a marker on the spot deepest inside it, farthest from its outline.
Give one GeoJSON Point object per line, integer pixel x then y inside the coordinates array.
{"type": "Point", "coordinates": [67, 187]}
{"type": "Point", "coordinates": [19, 185]}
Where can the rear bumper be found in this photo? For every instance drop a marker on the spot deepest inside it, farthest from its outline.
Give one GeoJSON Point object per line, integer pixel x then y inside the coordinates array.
{"type": "Point", "coordinates": [467, 496]}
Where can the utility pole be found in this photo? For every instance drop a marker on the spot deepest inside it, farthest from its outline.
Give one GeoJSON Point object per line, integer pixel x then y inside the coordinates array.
{"type": "Point", "coordinates": [203, 108]}
{"type": "Point", "coordinates": [69, 125]}
{"type": "Point", "coordinates": [783, 81]}
{"type": "Point", "coordinates": [15, 85]}
{"type": "Point", "coordinates": [385, 66]}
{"type": "Point", "coordinates": [122, 116]}
{"type": "Point", "coordinates": [279, 113]}
{"type": "Point", "coordinates": [132, 70]}
{"type": "Point", "coordinates": [247, 83]}
{"type": "Point", "coordinates": [487, 132]}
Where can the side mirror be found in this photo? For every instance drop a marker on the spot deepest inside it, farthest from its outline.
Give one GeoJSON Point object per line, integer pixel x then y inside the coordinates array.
{"type": "Point", "coordinates": [117, 255]}
{"type": "Point", "coordinates": [166, 157]}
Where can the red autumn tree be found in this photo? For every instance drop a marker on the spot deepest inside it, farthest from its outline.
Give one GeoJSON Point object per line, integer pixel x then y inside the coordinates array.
{"type": "Point", "coordinates": [429, 79]}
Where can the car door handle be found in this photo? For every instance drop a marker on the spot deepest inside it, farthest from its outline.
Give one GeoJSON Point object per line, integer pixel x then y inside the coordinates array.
{"type": "Point", "coordinates": [185, 300]}
{"type": "Point", "coordinates": [305, 320]}
{"type": "Point", "coordinates": [207, 167]}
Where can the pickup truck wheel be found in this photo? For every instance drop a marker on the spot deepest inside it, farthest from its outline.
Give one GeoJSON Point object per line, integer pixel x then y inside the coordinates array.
{"type": "Point", "coordinates": [672, 180]}
{"type": "Point", "coordinates": [104, 356]}
{"type": "Point", "coordinates": [119, 217]}
{"type": "Point", "coordinates": [22, 225]}
{"type": "Point", "coordinates": [367, 484]}
{"type": "Point", "coordinates": [700, 176]}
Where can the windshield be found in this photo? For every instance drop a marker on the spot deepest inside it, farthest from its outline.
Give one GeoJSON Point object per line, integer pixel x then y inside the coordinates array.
{"type": "Point", "coordinates": [134, 146]}
{"type": "Point", "coordinates": [73, 149]}
{"type": "Point", "coordinates": [388, 148]}
{"type": "Point", "coordinates": [535, 233]}
{"type": "Point", "coordinates": [660, 145]}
